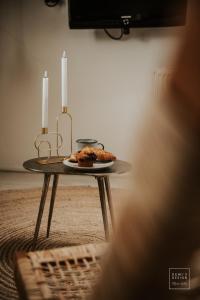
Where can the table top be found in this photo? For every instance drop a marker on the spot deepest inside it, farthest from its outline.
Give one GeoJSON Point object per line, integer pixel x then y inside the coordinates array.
{"type": "Point", "coordinates": [119, 167]}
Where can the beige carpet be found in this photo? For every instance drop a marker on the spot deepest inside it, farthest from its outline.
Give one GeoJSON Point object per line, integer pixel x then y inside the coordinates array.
{"type": "Point", "coordinates": [76, 220]}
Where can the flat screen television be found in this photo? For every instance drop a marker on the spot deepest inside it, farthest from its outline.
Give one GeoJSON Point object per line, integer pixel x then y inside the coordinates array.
{"type": "Point", "coordinates": [93, 14]}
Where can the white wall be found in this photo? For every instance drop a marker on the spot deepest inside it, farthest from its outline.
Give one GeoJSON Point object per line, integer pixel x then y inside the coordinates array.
{"type": "Point", "coordinates": [109, 81]}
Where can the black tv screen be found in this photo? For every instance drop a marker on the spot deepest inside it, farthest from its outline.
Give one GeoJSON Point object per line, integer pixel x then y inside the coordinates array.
{"type": "Point", "coordinates": [91, 14]}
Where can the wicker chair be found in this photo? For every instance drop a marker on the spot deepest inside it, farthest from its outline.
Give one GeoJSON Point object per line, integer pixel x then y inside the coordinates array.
{"type": "Point", "coordinates": [63, 273]}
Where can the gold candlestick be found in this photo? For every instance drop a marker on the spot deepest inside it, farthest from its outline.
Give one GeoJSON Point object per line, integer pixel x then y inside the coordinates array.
{"type": "Point", "coordinates": [39, 141]}
{"type": "Point", "coordinates": [65, 113]}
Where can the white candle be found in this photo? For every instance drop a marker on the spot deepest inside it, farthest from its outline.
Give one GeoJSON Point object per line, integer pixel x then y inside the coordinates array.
{"type": "Point", "coordinates": [64, 80]}
{"type": "Point", "coordinates": [45, 87]}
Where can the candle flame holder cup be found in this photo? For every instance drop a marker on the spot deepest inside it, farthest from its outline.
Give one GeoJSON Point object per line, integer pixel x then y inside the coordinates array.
{"type": "Point", "coordinates": [40, 141]}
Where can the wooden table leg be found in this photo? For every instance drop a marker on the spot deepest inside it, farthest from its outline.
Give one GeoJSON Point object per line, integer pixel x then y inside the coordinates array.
{"type": "Point", "coordinates": [53, 196]}
{"type": "Point", "coordinates": [41, 208]}
{"type": "Point", "coordinates": [109, 197]}
{"type": "Point", "coordinates": [100, 181]}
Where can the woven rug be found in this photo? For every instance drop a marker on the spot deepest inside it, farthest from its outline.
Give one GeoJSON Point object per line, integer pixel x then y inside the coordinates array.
{"type": "Point", "coordinates": [76, 220]}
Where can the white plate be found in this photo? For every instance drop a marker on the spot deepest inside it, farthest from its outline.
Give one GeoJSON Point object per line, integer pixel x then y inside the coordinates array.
{"type": "Point", "coordinates": [96, 166]}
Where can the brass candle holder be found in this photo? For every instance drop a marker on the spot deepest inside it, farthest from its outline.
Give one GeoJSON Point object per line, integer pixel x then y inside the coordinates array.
{"type": "Point", "coordinates": [64, 114]}
{"type": "Point", "coordinates": [40, 141]}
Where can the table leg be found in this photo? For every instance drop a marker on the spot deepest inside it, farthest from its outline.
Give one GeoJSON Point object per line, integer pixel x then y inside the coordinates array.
{"type": "Point", "coordinates": [53, 196]}
{"type": "Point", "coordinates": [100, 181]}
{"type": "Point", "coordinates": [41, 208]}
{"type": "Point", "coordinates": [109, 197]}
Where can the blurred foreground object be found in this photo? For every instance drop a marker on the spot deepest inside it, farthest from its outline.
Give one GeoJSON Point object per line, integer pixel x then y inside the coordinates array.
{"type": "Point", "coordinates": [159, 229]}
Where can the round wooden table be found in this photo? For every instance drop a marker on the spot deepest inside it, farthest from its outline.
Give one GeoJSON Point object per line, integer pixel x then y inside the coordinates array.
{"type": "Point", "coordinates": [56, 169]}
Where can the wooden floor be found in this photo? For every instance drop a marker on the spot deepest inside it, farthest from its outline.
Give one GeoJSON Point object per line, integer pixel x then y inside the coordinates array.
{"type": "Point", "coordinates": [18, 180]}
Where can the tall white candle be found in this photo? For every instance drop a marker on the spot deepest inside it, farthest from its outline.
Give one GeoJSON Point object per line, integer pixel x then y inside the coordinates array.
{"type": "Point", "coordinates": [64, 80]}
{"type": "Point", "coordinates": [45, 87]}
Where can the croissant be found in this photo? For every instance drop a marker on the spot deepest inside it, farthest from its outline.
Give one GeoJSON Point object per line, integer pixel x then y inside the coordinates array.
{"type": "Point", "coordinates": [105, 156]}
{"type": "Point", "coordinates": [73, 158]}
{"type": "Point", "coordinates": [100, 153]}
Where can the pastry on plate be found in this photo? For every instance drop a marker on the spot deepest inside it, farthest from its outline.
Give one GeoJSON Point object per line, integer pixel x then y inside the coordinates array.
{"type": "Point", "coordinates": [73, 158]}
{"type": "Point", "coordinates": [105, 156]}
{"type": "Point", "coordinates": [100, 153]}
{"type": "Point", "coordinates": [88, 155]}
{"type": "Point", "coordinates": [86, 159]}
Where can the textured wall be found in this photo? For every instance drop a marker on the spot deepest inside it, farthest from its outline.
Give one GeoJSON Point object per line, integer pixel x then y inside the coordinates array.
{"type": "Point", "coordinates": [109, 81]}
